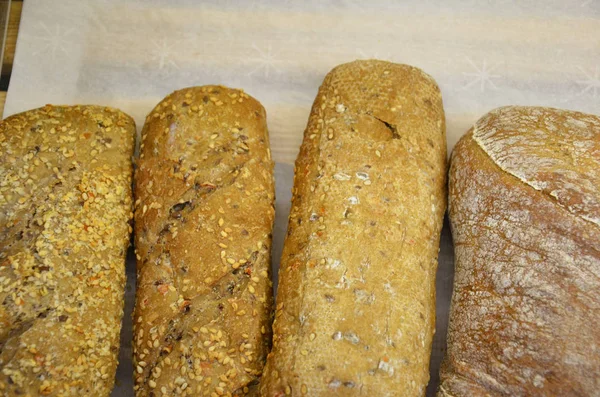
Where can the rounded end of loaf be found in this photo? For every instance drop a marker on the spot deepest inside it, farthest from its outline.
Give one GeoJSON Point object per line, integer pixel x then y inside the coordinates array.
{"type": "Point", "coordinates": [193, 104]}
{"type": "Point", "coordinates": [389, 102]}
{"type": "Point", "coordinates": [194, 97]}
{"type": "Point", "coordinates": [552, 150]}
{"type": "Point", "coordinates": [370, 64]}
{"type": "Point", "coordinates": [72, 111]}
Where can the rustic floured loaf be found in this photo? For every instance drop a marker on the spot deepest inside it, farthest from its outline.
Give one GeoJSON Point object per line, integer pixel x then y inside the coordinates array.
{"type": "Point", "coordinates": [204, 214]}
{"type": "Point", "coordinates": [65, 207]}
{"type": "Point", "coordinates": [524, 204]}
{"type": "Point", "coordinates": [355, 308]}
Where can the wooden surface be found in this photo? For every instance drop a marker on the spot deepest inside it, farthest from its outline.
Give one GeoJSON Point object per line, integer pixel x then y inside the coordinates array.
{"type": "Point", "coordinates": [10, 45]}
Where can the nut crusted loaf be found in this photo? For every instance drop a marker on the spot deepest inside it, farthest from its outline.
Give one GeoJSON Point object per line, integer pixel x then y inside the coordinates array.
{"type": "Point", "coordinates": [65, 207]}
{"type": "Point", "coordinates": [356, 301]}
{"type": "Point", "coordinates": [204, 214]}
{"type": "Point", "coordinates": [524, 204]}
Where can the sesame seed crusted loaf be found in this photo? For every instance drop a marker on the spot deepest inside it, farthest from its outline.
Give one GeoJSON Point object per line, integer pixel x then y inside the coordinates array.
{"type": "Point", "coordinates": [65, 207]}
{"type": "Point", "coordinates": [204, 215]}
{"type": "Point", "coordinates": [524, 205]}
{"type": "Point", "coordinates": [355, 308]}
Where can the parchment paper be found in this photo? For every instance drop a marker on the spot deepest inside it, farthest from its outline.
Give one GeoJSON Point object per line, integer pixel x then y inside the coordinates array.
{"type": "Point", "coordinates": [131, 53]}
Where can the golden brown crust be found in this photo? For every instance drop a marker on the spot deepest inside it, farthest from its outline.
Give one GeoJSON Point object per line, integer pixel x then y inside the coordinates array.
{"type": "Point", "coordinates": [526, 303]}
{"type": "Point", "coordinates": [65, 203]}
{"type": "Point", "coordinates": [203, 220]}
{"type": "Point", "coordinates": [356, 301]}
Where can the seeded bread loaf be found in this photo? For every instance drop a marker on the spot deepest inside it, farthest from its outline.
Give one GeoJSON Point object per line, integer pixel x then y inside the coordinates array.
{"type": "Point", "coordinates": [356, 301]}
{"type": "Point", "coordinates": [65, 207]}
{"type": "Point", "coordinates": [204, 214]}
{"type": "Point", "coordinates": [524, 204]}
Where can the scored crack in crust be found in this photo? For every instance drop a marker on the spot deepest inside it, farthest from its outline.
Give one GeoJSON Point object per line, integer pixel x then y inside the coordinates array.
{"type": "Point", "coordinates": [355, 308]}
{"type": "Point", "coordinates": [65, 207]}
{"type": "Point", "coordinates": [524, 200]}
{"type": "Point", "coordinates": [204, 214]}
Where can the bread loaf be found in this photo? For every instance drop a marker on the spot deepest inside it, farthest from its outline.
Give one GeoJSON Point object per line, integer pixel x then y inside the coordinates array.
{"type": "Point", "coordinates": [355, 307]}
{"type": "Point", "coordinates": [204, 214]}
{"type": "Point", "coordinates": [65, 204]}
{"type": "Point", "coordinates": [524, 204]}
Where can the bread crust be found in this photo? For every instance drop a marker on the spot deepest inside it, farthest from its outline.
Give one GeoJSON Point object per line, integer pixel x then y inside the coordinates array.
{"type": "Point", "coordinates": [203, 220]}
{"type": "Point", "coordinates": [523, 204]}
{"type": "Point", "coordinates": [65, 207]}
{"type": "Point", "coordinates": [355, 307]}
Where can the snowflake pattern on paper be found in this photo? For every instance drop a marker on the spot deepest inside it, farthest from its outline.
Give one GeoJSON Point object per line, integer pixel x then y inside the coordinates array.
{"type": "Point", "coordinates": [591, 83]}
{"type": "Point", "coordinates": [55, 40]}
{"type": "Point", "coordinates": [162, 55]}
{"type": "Point", "coordinates": [482, 76]}
{"type": "Point", "coordinates": [264, 60]}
